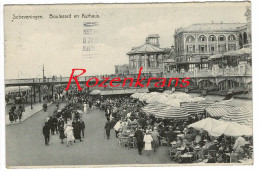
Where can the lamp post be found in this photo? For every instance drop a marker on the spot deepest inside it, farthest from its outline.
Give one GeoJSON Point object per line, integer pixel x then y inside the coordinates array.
{"type": "Point", "coordinates": [19, 85]}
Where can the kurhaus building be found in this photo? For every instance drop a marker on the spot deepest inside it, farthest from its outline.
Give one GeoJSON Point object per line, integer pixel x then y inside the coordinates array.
{"type": "Point", "coordinates": [149, 56]}
{"type": "Point", "coordinates": [194, 44]}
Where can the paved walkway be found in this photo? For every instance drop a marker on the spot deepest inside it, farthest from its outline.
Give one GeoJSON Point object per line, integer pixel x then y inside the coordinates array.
{"type": "Point", "coordinates": [25, 146]}
{"type": "Point", "coordinates": [27, 114]}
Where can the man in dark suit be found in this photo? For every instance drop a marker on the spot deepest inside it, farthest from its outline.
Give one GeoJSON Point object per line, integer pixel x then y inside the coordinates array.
{"type": "Point", "coordinates": [139, 135]}
{"type": "Point", "coordinates": [107, 128]}
{"type": "Point", "coordinates": [82, 127]}
{"type": "Point", "coordinates": [171, 136]}
{"type": "Point", "coordinates": [46, 133]}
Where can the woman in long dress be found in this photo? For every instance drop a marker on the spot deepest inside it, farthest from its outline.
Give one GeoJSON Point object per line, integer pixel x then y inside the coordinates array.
{"type": "Point", "coordinates": [69, 133]}
{"type": "Point", "coordinates": [148, 142]}
{"type": "Point", "coordinates": [85, 107]}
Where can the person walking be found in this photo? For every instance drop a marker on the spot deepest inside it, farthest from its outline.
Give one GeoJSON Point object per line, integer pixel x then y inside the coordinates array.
{"type": "Point", "coordinates": [61, 130]}
{"type": "Point", "coordinates": [46, 133]}
{"type": "Point", "coordinates": [148, 142]}
{"type": "Point", "coordinates": [139, 138]}
{"type": "Point", "coordinates": [45, 106]}
{"type": "Point", "coordinates": [107, 128]}
{"type": "Point", "coordinates": [69, 133]}
{"type": "Point", "coordinates": [77, 130]}
{"type": "Point", "coordinates": [155, 135]}
{"type": "Point", "coordinates": [82, 127]}
{"type": "Point", "coordinates": [85, 107]}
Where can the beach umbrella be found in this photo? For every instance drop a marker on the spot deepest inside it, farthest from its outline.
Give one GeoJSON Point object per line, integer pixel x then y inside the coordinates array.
{"type": "Point", "coordinates": [162, 99]}
{"type": "Point", "coordinates": [232, 53]}
{"type": "Point", "coordinates": [205, 124]}
{"type": "Point", "coordinates": [95, 92]}
{"type": "Point", "coordinates": [171, 112]}
{"type": "Point", "coordinates": [193, 108]}
{"type": "Point", "coordinates": [140, 95]}
{"type": "Point", "coordinates": [134, 95]}
{"type": "Point", "coordinates": [216, 112]}
{"type": "Point", "coordinates": [155, 98]}
{"type": "Point", "coordinates": [174, 103]}
{"type": "Point", "coordinates": [153, 109]}
{"type": "Point", "coordinates": [245, 51]}
{"type": "Point", "coordinates": [230, 128]}
{"type": "Point", "coordinates": [145, 97]}
{"type": "Point", "coordinates": [154, 93]}
{"type": "Point", "coordinates": [197, 99]}
{"type": "Point", "coordinates": [216, 56]}
{"type": "Point", "coordinates": [241, 115]}
{"type": "Point", "coordinates": [167, 92]}
{"type": "Point", "coordinates": [151, 99]}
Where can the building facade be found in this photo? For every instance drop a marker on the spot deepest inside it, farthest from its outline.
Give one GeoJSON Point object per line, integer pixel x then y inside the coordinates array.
{"type": "Point", "coordinates": [149, 56]}
{"type": "Point", "coordinates": [196, 43]}
{"type": "Point", "coordinates": [122, 69]}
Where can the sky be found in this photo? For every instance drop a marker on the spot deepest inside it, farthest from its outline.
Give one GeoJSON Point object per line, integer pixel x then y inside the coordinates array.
{"type": "Point", "coordinates": [57, 43]}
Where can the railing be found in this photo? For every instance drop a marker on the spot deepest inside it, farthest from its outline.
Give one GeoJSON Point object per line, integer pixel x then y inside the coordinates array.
{"type": "Point", "coordinates": [199, 73]}
{"type": "Point", "coordinates": [210, 73]}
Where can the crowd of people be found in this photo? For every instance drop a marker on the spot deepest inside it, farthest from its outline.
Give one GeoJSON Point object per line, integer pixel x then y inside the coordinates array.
{"type": "Point", "coordinates": [16, 113]}
{"type": "Point", "coordinates": [67, 121]}
{"type": "Point", "coordinates": [133, 128]}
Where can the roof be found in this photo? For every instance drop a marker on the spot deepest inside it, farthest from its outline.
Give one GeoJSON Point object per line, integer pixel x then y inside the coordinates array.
{"type": "Point", "coordinates": [145, 48]}
{"type": "Point", "coordinates": [212, 27]}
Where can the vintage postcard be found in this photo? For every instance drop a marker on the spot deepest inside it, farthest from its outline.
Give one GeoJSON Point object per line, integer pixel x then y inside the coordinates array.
{"type": "Point", "coordinates": [152, 84]}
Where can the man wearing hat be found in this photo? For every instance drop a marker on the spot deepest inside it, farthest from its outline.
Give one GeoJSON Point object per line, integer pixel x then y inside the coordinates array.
{"type": "Point", "coordinates": [46, 133]}
{"type": "Point", "coordinates": [171, 135]}
{"type": "Point", "coordinates": [139, 135]}
{"type": "Point", "coordinates": [107, 128]}
{"type": "Point", "coordinates": [155, 135]}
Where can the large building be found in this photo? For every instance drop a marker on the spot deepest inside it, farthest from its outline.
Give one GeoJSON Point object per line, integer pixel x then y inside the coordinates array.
{"type": "Point", "coordinates": [149, 56]}
{"type": "Point", "coordinates": [194, 44]}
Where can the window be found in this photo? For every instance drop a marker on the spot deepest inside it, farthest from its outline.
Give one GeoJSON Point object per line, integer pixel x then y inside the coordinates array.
{"type": "Point", "coordinates": [190, 39]}
{"type": "Point", "coordinates": [212, 48]}
{"type": "Point", "coordinates": [189, 48]}
{"type": "Point", "coordinates": [202, 38]}
{"type": "Point", "coordinates": [202, 48]}
{"type": "Point", "coordinates": [204, 66]}
{"type": "Point", "coordinates": [222, 48]}
{"type": "Point", "coordinates": [160, 60]}
{"type": "Point", "coordinates": [152, 61]}
{"type": "Point", "coordinates": [134, 64]}
{"type": "Point", "coordinates": [212, 38]}
{"type": "Point", "coordinates": [231, 38]}
{"type": "Point", "coordinates": [221, 38]}
{"type": "Point", "coordinates": [148, 62]}
{"type": "Point", "coordinates": [191, 67]}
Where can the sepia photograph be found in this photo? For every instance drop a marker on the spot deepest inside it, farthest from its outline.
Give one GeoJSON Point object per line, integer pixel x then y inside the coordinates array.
{"type": "Point", "coordinates": [146, 84]}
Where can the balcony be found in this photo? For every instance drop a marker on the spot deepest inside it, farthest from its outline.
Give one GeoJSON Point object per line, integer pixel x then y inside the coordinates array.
{"type": "Point", "coordinates": [211, 73]}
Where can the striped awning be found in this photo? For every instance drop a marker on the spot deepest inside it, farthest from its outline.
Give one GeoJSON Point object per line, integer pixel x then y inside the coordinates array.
{"type": "Point", "coordinates": [241, 115]}
{"type": "Point", "coordinates": [216, 112]}
{"type": "Point", "coordinates": [193, 108]}
{"type": "Point", "coordinates": [171, 112]}
{"type": "Point", "coordinates": [153, 109]}
{"type": "Point", "coordinates": [206, 103]}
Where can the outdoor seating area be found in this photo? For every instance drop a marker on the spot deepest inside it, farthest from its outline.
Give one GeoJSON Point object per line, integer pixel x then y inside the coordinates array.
{"type": "Point", "coordinates": [202, 131]}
